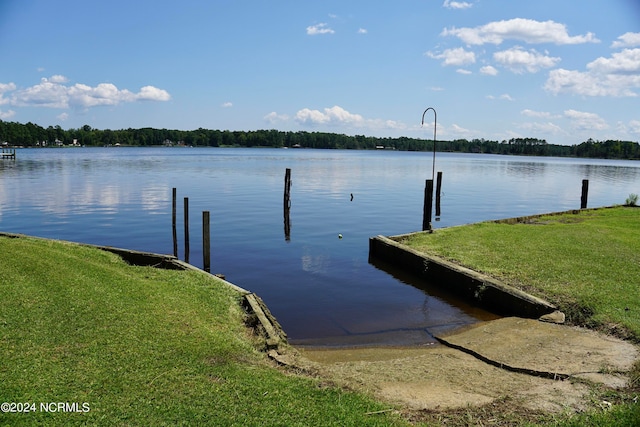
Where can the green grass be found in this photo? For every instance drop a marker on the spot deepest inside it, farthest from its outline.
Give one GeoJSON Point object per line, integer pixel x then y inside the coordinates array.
{"type": "Point", "coordinates": [616, 416]}
{"type": "Point", "coordinates": [143, 346]}
{"type": "Point", "coordinates": [586, 263]}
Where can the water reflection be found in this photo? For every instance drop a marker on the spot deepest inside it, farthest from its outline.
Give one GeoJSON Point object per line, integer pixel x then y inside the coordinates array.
{"type": "Point", "coordinates": [154, 198]}
{"type": "Point", "coordinates": [442, 311]}
{"type": "Point", "coordinates": [321, 288]}
{"type": "Point", "coordinates": [610, 174]}
{"type": "Point", "coordinates": [315, 263]}
{"type": "Point", "coordinates": [525, 170]}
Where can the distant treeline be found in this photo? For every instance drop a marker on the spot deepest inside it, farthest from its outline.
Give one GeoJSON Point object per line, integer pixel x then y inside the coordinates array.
{"type": "Point", "coordinates": [32, 135]}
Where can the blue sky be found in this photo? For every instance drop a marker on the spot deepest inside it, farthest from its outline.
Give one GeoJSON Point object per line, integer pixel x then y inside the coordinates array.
{"type": "Point", "coordinates": [560, 70]}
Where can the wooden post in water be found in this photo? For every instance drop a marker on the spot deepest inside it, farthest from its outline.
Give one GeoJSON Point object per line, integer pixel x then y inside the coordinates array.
{"type": "Point", "coordinates": [186, 229]}
{"type": "Point", "coordinates": [438, 188]}
{"type": "Point", "coordinates": [287, 185]}
{"type": "Point", "coordinates": [287, 204]}
{"type": "Point", "coordinates": [206, 242]}
{"type": "Point", "coordinates": [428, 203]}
{"type": "Point", "coordinates": [585, 193]}
{"type": "Point", "coordinates": [173, 224]}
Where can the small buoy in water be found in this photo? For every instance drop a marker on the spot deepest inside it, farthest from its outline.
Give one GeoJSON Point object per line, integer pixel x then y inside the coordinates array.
{"type": "Point", "coordinates": [339, 236]}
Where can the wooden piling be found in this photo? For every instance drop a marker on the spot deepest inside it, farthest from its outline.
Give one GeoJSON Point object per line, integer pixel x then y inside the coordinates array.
{"type": "Point", "coordinates": [206, 242]}
{"type": "Point", "coordinates": [287, 204]}
{"type": "Point", "coordinates": [287, 188]}
{"type": "Point", "coordinates": [585, 193]}
{"type": "Point", "coordinates": [186, 229]}
{"type": "Point", "coordinates": [438, 188]}
{"type": "Point", "coordinates": [173, 224]}
{"type": "Point", "coordinates": [428, 204]}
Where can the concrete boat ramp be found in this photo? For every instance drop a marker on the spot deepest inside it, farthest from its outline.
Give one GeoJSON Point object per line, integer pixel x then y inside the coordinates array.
{"type": "Point", "coordinates": [547, 350]}
{"type": "Point", "coordinates": [540, 365]}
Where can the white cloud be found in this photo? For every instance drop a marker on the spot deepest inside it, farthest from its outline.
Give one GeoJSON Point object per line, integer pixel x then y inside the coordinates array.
{"type": "Point", "coordinates": [504, 97]}
{"type": "Point", "coordinates": [631, 129]}
{"type": "Point", "coordinates": [362, 31]}
{"type": "Point", "coordinates": [436, 88]}
{"type": "Point", "coordinates": [6, 87]}
{"type": "Point", "coordinates": [62, 117]}
{"type": "Point", "coordinates": [151, 93]}
{"type": "Point", "coordinates": [489, 70]}
{"type": "Point", "coordinates": [458, 131]}
{"type": "Point", "coordinates": [585, 121]}
{"type": "Point", "coordinates": [456, 57]}
{"type": "Point", "coordinates": [333, 115]}
{"type": "Point", "coordinates": [274, 117]}
{"type": "Point", "coordinates": [54, 93]}
{"type": "Point", "coordinates": [86, 96]}
{"type": "Point", "coordinates": [4, 115]}
{"type": "Point", "coordinates": [635, 126]}
{"type": "Point", "coordinates": [322, 28]}
{"type": "Point", "coordinates": [615, 76]}
{"type": "Point", "coordinates": [58, 79]}
{"type": "Point", "coordinates": [543, 128]}
{"type": "Point", "coordinates": [450, 4]}
{"type": "Point", "coordinates": [626, 62]}
{"type": "Point", "coordinates": [526, 30]}
{"type": "Point", "coordinates": [463, 71]}
{"type": "Point", "coordinates": [227, 104]}
{"type": "Point", "coordinates": [389, 124]}
{"type": "Point", "coordinates": [627, 40]}
{"type": "Point", "coordinates": [576, 82]}
{"type": "Point", "coordinates": [337, 116]}
{"type": "Point", "coordinates": [44, 94]}
{"type": "Point", "coordinates": [519, 60]}
{"type": "Point", "coordinates": [540, 114]}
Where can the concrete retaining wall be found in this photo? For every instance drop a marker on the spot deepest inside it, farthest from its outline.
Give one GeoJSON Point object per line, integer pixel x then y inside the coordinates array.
{"type": "Point", "coordinates": [478, 288]}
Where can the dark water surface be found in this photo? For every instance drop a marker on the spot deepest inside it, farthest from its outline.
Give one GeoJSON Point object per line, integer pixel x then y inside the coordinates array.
{"type": "Point", "coordinates": [321, 288]}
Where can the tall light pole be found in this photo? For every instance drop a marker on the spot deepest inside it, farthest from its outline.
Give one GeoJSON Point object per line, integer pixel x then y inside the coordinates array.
{"type": "Point", "coordinates": [435, 124]}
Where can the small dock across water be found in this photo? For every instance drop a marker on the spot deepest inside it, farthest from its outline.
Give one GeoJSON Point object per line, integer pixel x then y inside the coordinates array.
{"type": "Point", "coordinates": [8, 153]}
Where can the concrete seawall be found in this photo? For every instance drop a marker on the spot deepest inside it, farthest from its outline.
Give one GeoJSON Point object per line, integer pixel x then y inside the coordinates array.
{"type": "Point", "coordinates": [478, 288]}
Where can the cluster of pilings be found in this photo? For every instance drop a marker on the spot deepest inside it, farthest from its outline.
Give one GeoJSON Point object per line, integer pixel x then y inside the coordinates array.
{"type": "Point", "coordinates": [206, 230]}
{"type": "Point", "coordinates": [206, 233]}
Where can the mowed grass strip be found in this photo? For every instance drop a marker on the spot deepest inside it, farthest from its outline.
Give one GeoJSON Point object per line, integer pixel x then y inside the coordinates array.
{"type": "Point", "coordinates": [143, 346]}
{"type": "Point", "coordinates": [587, 263]}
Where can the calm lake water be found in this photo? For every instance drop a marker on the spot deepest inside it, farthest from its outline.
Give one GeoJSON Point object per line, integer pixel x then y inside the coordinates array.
{"type": "Point", "coordinates": [322, 289]}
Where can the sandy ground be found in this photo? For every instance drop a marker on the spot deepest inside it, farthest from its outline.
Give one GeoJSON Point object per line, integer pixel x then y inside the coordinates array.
{"type": "Point", "coordinates": [538, 365]}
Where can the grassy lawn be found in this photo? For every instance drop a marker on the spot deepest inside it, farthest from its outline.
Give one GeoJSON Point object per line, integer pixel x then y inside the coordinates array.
{"type": "Point", "coordinates": [587, 263]}
{"type": "Point", "coordinates": [142, 346]}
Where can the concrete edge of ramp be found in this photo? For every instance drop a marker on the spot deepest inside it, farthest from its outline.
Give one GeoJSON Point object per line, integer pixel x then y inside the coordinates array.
{"type": "Point", "coordinates": [501, 365]}
{"type": "Point", "coordinates": [483, 290]}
